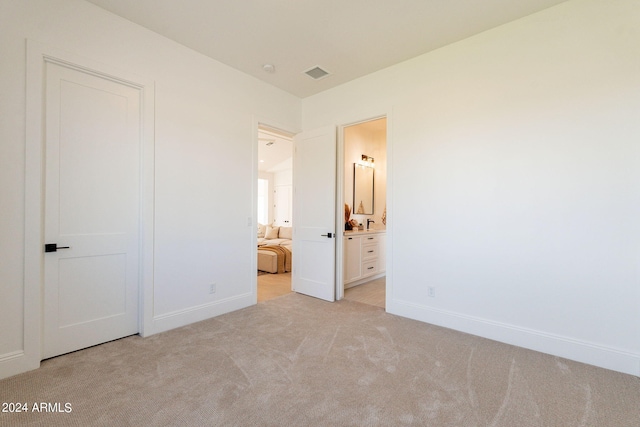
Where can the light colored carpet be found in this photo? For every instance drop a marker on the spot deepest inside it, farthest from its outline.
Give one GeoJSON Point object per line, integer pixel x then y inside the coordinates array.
{"type": "Point", "coordinates": [299, 361]}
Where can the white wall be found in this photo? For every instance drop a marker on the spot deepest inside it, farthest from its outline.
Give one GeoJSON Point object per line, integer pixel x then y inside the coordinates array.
{"type": "Point", "coordinates": [515, 180]}
{"type": "Point", "coordinates": [205, 130]}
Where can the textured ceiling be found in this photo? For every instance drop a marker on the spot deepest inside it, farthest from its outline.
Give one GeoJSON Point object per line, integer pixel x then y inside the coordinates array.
{"type": "Point", "coordinates": [348, 38]}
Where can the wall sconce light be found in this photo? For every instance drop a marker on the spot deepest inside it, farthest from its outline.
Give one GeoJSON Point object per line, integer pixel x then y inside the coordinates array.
{"type": "Point", "coordinates": [367, 161]}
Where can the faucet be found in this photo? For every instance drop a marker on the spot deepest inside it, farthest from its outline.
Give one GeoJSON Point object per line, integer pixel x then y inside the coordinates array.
{"type": "Point", "coordinates": [369, 221]}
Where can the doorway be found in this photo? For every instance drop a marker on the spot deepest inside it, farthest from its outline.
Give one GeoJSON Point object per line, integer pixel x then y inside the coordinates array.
{"type": "Point", "coordinates": [88, 213]}
{"type": "Point", "coordinates": [324, 140]}
{"type": "Point", "coordinates": [364, 193]}
{"type": "Point", "coordinates": [274, 212]}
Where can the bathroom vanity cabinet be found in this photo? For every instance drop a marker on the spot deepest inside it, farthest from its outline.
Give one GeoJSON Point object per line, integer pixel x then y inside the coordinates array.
{"type": "Point", "coordinates": [364, 257]}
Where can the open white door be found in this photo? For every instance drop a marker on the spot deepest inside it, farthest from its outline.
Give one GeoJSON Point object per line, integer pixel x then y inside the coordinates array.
{"type": "Point", "coordinates": [314, 213]}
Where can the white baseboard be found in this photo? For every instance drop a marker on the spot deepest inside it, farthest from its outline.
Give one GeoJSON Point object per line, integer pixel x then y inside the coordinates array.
{"type": "Point", "coordinates": [176, 319]}
{"type": "Point", "coordinates": [556, 345]}
{"type": "Point", "coordinates": [16, 362]}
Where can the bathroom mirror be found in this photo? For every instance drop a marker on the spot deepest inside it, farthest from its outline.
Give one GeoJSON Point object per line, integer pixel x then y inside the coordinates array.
{"type": "Point", "coordinates": [362, 189]}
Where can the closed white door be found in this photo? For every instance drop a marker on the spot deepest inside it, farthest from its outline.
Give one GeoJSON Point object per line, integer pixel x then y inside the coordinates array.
{"type": "Point", "coordinates": [92, 209]}
{"type": "Point", "coordinates": [314, 213]}
{"type": "Point", "coordinates": [283, 205]}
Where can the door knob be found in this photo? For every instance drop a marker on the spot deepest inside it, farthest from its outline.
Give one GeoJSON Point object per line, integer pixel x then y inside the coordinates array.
{"type": "Point", "coordinates": [329, 235]}
{"type": "Point", "coordinates": [53, 247]}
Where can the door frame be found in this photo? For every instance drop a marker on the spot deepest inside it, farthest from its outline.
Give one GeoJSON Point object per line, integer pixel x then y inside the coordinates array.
{"type": "Point", "coordinates": [252, 220]}
{"type": "Point", "coordinates": [340, 182]}
{"type": "Point", "coordinates": [339, 273]}
{"type": "Point", "coordinates": [38, 54]}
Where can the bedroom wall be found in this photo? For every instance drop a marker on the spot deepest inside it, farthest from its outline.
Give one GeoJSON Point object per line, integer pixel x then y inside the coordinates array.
{"type": "Point", "coordinates": [514, 175]}
{"type": "Point", "coordinates": [205, 115]}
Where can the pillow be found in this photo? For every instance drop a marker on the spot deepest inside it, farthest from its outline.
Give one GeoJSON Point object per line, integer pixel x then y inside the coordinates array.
{"type": "Point", "coordinates": [261, 229]}
{"type": "Point", "coordinates": [286, 233]}
{"type": "Point", "coordinates": [271, 233]}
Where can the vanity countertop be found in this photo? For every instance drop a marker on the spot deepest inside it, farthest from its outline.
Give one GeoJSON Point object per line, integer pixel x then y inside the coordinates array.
{"type": "Point", "coordinates": [370, 231]}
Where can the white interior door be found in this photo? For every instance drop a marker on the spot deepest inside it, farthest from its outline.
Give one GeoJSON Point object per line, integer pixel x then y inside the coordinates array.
{"type": "Point", "coordinates": [92, 209]}
{"type": "Point", "coordinates": [283, 205]}
{"type": "Point", "coordinates": [314, 213]}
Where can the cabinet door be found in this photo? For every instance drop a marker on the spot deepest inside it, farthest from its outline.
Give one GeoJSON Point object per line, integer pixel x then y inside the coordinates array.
{"type": "Point", "coordinates": [352, 258]}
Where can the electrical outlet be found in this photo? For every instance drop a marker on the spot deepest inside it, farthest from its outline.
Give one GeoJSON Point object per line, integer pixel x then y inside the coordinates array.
{"type": "Point", "coordinates": [212, 288]}
{"type": "Point", "coordinates": [431, 291]}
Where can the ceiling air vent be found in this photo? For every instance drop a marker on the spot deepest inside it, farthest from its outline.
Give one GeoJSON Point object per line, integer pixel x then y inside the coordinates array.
{"type": "Point", "coordinates": [316, 73]}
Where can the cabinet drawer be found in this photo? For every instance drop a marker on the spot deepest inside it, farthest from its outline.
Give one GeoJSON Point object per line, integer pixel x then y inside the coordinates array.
{"type": "Point", "coordinates": [370, 238]}
{"type": "Point", "coordinates": [369, 267]}
{"type": "Point", "coordinates": [369, 251]}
